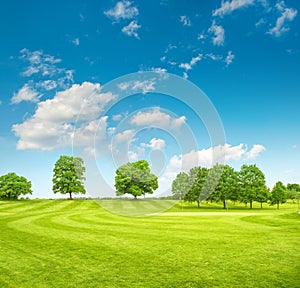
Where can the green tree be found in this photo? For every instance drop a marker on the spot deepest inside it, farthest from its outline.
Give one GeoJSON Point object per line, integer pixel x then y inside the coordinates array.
{"type": "Point", "coordinates": [278, 194]}
{"type": "Point", "coordinates": [135, 178]}
{"type": "Point", "coordinates": [197, 179]}
{"type": "Point", "coordinates": [293, 191]}
{"type": "Point", "coordinates": [180, 185]}
{"type": "Point", "coordinates": [251, 181]}
{"type": "Point", "coordinates": [226, 189]}
{"type": "Point", "coordinates": [12, 186]}
{"type": "Point", "coordinates": [263, 195]}
{"type": "Point", "coordinates": [68, 176]}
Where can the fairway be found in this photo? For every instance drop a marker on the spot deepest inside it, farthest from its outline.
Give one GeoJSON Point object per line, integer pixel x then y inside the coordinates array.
{"type": "Point", "coordinates": [60, 243]}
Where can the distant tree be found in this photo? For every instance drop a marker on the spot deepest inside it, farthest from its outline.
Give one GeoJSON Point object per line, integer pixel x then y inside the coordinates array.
{"type": "Point", "coordinates": [263, 195]}
{"type": "Point", "coordinates": [180, 185]}
{"type": "Point", "coordinates": [251, 181]}
{"type": "Point", "coordinates": [12, 186]}
{"type": "Point", "coordinates": [197, 179]}
{"type": "Point", "coordinates": [278, 194]}
{"type": "Point", "coordinates": [135, 178]}
{"type": "Point", "coordinates": [226, 187]}
{"type": "Point", "coordinates": [293, 191]}
{"type": "Point", "coordinates": [68, 176]}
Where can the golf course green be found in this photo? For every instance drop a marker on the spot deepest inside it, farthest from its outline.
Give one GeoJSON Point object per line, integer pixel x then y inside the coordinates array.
{"type": "Point", "coordinates": [61, 243]}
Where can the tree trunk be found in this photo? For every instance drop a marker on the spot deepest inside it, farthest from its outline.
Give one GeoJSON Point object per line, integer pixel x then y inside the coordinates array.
{"type": "Point", "coordinates": [278, 205]}
{"type": "Point", "coordinates": [198, 202]}
{"type": "Point", "coordinates": [224, 204]}
{"type": "Point", "coordinates": [261, 205]}
{"type": "Point", "coordinates": [70, 196]}
{"type": "Point", "coordinates": [251, 204]}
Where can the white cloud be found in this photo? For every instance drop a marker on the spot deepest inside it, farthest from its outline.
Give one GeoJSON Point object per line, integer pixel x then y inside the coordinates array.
{"type": "Point", "coordinates": [132, 156]}
{"type": "Point", "coordinates": [158, 118]}
{"type": "Point", "coordinates": [260, 22]}
{"type": "Point", "coordinates": [52, 125]}
{"type": "Point", "coordinates": [201, 36]}
{"type": "Point", "coordinates": [47, 85]}
{"type": "Point", "coordinates": [194, 61]}
{"type": "Point", "coordinates": [228, 7]}
{"type": "Point", "coordinates": [170, 47]}
{"type": "Point", "coordinates": [209, 157]}
{"type": "Point", "coordinates": [185, 20]}
{"type": "Point", "coordinates": [26, 93]}
{"type": "Point", "coordinates": [185, 76]}
{"type": "Point", "coordinates": [76, 41]}
{"type": "Point", "coordinates": [219, 33]}
{"type": "Point", "coordinates": [287, 15]}
{"type": "Point", "coordinates": [138, 86]}
{"type": "Point", "coordinates": [255, 151]}
{"type": "Point", "coordinates": [124, 136]}
{"type": "Point", "coordinates": [122, 10]}
{"type": "Point", "coordinates": [117, 117]}
{"type": "Point", "coordinates": [186, 66]}
{"type": "Point", "coordinates": [213, 57]}
{"type": "Point", "coordinates": [155, 144]}
{"type": "Point", "coordinates": [131, 29]}
{"type": "Point", "coordinates": [158, 70]}
{"type": "Point", "coordinates": [229, 58]}
{"type": "Point", "coordinates": [45, 67]}
{"type": "Point", "coordinates": [39, 62]}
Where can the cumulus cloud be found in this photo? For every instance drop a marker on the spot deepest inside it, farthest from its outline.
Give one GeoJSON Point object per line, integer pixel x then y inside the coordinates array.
{"type": "Point", "coordinates": [122, 10]}
{"type": "Point", "coordinates": [155, 144]}
{"type": "Point", "coordinates": [185, 20]}
{"type": "Point", "coordinates": [131, 29]}
{"type": "Point", "coordinates": [209, 157]}
{"type": "Point", "coordinates": [52, 125]}
{"type": "Point", "coordinates": [124, 136]}
{"type": "Point", "coordinates": [255, 151]}
{"type": "Point", "coordinates": [228, 7]}
{"type": "Point", "coordinates": [155, 117]}
{"type": "Point", "coordinates": [287, 15]}
{"type": "Point", "coordinates": [219, 34]}
{"type": "Point", "coordinates": [26, 93]}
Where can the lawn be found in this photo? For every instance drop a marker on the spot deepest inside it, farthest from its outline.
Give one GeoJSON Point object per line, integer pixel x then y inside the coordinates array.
{"type": "Point", "coordinates": [61, 243]}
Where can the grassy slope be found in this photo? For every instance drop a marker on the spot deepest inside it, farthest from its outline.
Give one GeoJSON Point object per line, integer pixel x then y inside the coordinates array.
{"type": "Point", "coordinates": [78, 244]}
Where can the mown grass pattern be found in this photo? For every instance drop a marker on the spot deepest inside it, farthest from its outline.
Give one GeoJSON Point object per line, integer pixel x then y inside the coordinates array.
{"type": "Point", "coordinates": [62, 243]}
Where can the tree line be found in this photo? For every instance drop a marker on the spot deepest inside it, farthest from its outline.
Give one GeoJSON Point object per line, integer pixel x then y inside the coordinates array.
{"type": "Point", "coordinates": [222, 183]}
{"type": "Point", "coordinates": [217, 184]}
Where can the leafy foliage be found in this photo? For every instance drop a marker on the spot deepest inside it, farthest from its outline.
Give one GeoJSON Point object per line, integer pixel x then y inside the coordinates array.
{"type": "Point", "coordinates": [197, 178]}
{"type": "Point", "coordinates": [227, 185]}
{"type": "Point", "coordinates": [69, 176]}
{"type": "Point", "coordinates": [181, 185]}
{"type": "Point", "coordinates": [135, 178]}
{"type": "Point", "coordinates": [12, 186]}
{"type": "Point", "coordinates": [278, 194]}
{"type": "Point", "coordinates": [252, 183]}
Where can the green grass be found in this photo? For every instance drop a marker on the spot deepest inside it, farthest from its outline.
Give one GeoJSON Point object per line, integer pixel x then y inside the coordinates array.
{"type": "Point", "coordinates": [62, 243]}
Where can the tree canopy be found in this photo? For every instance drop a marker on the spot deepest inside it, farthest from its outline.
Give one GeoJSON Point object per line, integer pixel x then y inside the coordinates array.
{"type": "Point", "coordinates": [68, 176]}
{"type": "Point", "coordinates": [278, 194]}
{"type": "Point", "coordinates": [136, 179]}
{"type": "Point", "coordinates": [198, 176]}
{"type": "Point", "coordinates": [252, 183]}
{"type": "Point", "coordinates": [181, 185]}
{"type": "Point", "coordinates": [12, 186]}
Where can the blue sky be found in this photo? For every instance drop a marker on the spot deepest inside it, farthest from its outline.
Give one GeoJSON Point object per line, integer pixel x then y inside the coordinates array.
{"type": "Point", "coordinates": [65, 87]}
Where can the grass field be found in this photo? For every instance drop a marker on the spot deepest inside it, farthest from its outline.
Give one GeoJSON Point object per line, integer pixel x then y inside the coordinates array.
{"type": "Point", "coordinates": [60, 243]}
